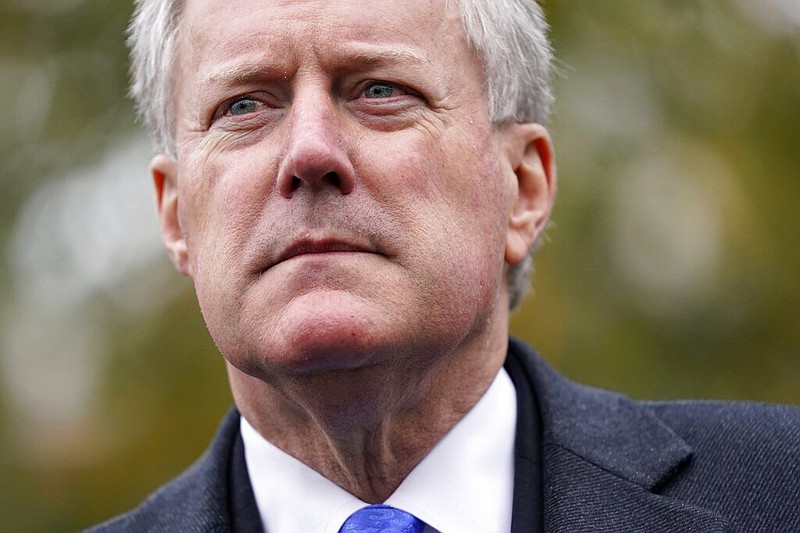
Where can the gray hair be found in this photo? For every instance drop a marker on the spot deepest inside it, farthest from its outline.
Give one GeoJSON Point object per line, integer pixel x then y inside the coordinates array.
{"type": "Point", "coordinates": [510, 37]}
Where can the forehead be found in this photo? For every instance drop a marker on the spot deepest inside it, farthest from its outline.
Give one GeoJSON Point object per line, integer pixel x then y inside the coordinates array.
{"type": "Point", "coordinates": [213, 30]}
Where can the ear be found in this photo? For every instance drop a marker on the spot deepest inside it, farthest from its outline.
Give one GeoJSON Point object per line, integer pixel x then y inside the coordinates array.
{"type": "Point", "coordinates": [165, 179]}
{"type": "Point", "coordinates": [533, 185]}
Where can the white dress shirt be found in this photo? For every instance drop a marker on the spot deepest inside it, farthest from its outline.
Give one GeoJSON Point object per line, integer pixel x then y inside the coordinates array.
{"type": "Point", "coordinates": [464, 485]}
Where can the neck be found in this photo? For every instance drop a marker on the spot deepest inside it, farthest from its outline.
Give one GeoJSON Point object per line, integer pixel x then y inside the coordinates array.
{"type": "Point", "coordinates": [367, 429]}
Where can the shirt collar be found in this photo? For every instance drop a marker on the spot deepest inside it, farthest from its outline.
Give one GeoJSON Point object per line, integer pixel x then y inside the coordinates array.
{"type": "Point", "coordinates": [465, 484]}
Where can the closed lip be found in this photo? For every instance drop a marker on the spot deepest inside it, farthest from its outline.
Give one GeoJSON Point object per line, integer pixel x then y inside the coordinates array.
{"type": "Point", "coordinates": [319, 246]}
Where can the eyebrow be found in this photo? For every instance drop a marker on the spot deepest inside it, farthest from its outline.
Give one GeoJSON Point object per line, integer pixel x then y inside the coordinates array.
{"type": "Point", "coordinates": [241, 74]}
{"type": "Point", "coordinates": [350, 58]}
{"type": "Point", "coordinates": [370, 57]}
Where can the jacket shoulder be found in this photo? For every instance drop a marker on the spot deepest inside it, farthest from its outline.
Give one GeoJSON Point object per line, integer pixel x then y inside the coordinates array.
{"type": "Point", "coordinates": [168, 508]}
{"type": "Point", "coordinates": [753, 424]}
{"type": "Point", "coordinates": [734, 461]}
{"type": "Point", "coordinates": [195, 501]}
{"type": "Point", "coordinates": [744, 460]}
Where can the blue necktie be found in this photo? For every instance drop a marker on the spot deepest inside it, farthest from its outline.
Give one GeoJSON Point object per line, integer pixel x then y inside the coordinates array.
{"type": "Point", "coordinates": [382, 519]}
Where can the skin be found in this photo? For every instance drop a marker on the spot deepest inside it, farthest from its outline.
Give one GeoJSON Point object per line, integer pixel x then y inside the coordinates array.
{"type": "Point", "coordinates": [347, 214]}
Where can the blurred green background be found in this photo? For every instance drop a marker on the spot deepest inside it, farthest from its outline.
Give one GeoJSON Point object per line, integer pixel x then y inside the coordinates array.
{"type": "Point", "coordinates": [673, 267]}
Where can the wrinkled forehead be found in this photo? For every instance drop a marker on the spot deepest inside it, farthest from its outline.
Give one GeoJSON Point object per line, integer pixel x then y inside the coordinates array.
{"type": "Point", "coordinates": [211, 25]}
{"type": "Point", "coordinates": [224, 43]}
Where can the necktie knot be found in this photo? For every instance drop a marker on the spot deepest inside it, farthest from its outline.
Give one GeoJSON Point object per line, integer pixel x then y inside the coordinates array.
{"type": "Point", "coordinates": [382, 519]}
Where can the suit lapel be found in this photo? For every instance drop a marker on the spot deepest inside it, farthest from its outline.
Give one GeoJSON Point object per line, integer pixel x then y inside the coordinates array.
{"type": "Point", "coordinates": [581, 496]}
{"type": "Point", "coordinates": [602, 458]}
{"type": "Point", "coordinates": [245, 517]}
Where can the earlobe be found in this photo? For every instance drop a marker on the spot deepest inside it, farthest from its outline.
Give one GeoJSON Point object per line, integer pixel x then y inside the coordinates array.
{"type": "Point", "coordinates": [531, 158]}
{"type": "Point", "coordinates": [165, 179]}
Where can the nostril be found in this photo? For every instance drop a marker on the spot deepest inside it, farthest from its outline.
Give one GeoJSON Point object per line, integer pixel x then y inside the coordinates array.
{"type": "Point", "coordinates": [332, 178]}
{"type": "Point", "coordinates": [317, 183]}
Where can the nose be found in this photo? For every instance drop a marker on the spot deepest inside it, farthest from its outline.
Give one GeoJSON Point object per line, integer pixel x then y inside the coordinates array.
{"type": "Point", "coordinates": [315, 157]}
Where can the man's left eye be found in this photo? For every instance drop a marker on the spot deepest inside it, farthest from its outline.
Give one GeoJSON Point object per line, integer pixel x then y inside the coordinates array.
{"type": "Point", "coordinates": [242, 106]}
{"type": "Point", "coordinates": [380, 90]}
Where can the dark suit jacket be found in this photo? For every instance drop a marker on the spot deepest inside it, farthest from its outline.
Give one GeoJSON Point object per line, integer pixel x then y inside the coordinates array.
{"type": "Point", "coordinates": [605, 463]}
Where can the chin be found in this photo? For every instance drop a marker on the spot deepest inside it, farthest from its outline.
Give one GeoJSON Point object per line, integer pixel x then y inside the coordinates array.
{"type": "Point", "coordinates": [328, 331]}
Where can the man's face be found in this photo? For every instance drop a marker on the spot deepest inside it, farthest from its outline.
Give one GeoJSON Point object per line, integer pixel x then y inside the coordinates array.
{"type": "Point", "coordinates": [339, 196]}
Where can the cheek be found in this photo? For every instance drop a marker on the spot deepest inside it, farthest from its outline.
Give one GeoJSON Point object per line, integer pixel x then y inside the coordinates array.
{"type": "Point", "coordinates": [458, 188]}
{"type": "Point", "coordinates": [221, 206]}
{"type": "Point", "coordinates": [223, 203]}
{"type": "Point", "coordinates": [452, 202]}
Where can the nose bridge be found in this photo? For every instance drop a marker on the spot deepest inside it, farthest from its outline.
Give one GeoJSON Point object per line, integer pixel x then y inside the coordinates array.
{"type": "Point", "coordinates": [315, 156]}
{"type": "Point", "coordinates": [312, 115]}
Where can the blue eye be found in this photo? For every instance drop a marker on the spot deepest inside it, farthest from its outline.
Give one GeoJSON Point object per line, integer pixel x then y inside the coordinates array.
{"type": "Point", "coordinates": [242, 106]}
{"type": "Point", "coordinates": [380, 90]}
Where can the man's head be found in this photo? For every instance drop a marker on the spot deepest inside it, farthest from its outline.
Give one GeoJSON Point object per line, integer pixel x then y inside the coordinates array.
{"type": "Point", "coordinates": [509, 37]}
{"type": "Point", "coordinates": [337, 190]}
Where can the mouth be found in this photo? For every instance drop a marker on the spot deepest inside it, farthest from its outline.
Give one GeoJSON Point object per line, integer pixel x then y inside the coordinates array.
{"type": "Point", "coordinates": [322, 246]}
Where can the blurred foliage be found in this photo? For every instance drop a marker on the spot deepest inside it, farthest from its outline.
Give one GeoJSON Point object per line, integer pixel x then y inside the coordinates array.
{"type": "Point", "coordinates": [671, 271]}
{"type": "Point", "coordinates": [692, 108]}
